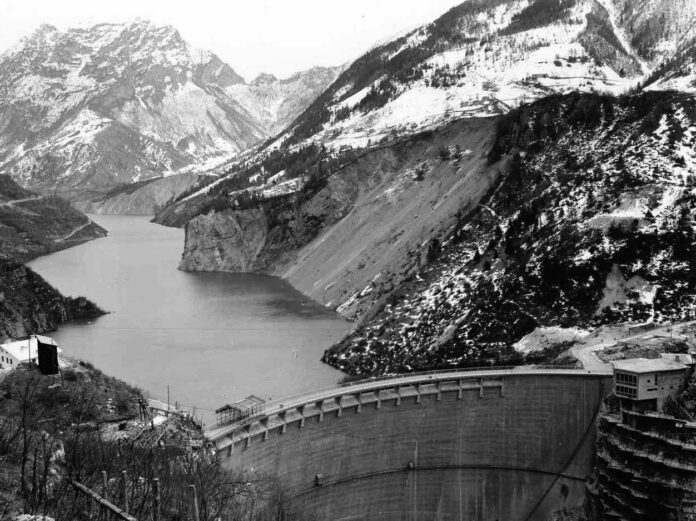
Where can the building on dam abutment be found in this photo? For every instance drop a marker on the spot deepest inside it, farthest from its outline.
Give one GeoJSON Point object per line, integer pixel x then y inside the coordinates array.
{"type": "Point", "coordinates": [507, 445]}
{"type": "Point", "coordinates": [646, 458]}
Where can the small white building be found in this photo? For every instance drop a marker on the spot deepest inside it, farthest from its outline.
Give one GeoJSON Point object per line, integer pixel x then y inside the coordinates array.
{"type": "Point", "coordinates": [647, 383]}
{"type": "Point", "coordinates": [13, 354]}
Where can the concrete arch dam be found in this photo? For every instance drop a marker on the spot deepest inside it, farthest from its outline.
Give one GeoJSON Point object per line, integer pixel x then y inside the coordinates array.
{"type": "Point", "coordinates": [507, 445]}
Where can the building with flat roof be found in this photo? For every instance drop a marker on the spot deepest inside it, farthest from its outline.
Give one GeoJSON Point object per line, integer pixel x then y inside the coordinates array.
{"type": "Point", "coordinates": [645, 384]}
{"type": "Point", "coordinates": [12, 354]}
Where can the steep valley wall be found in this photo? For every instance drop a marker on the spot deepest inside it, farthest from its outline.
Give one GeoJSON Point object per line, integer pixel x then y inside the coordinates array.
{"type": "Point", "coordinates": [498, 445]}
{"type": "Point", "coordinates": [138, 199]}
{"type": "Point", "coordinates": [348, 245]}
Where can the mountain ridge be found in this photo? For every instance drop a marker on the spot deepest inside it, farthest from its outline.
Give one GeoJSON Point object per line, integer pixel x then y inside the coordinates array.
{"type": "Point", "coordinates": [89, 108]}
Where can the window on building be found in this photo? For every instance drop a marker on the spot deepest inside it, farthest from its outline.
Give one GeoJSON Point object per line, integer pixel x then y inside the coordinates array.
{"type": "Point", "coordinates": [626, 379]}
{"type": "Point", "coordinates": [628, 392]}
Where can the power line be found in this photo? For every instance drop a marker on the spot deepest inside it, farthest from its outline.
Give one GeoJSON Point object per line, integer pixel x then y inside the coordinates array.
{"type": "Point", "coordinates": [269, 329]}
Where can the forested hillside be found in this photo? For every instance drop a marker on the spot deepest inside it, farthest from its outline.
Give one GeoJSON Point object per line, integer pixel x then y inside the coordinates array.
{"type": "Point", "coordinates": [33, 225]}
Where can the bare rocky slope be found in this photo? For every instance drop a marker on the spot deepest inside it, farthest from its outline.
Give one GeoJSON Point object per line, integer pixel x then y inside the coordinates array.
{"type": "Point", "coordinates": [86, 110]}
{"type": "Point", "coordinates": [369, 224]}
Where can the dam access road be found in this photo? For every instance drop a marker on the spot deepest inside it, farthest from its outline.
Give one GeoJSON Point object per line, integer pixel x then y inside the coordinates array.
{"type": "Point", "coordinates": [513, 444]}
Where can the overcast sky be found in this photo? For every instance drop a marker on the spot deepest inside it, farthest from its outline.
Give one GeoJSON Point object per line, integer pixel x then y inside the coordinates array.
{"type": "Point", "coordinates": [276, 36]}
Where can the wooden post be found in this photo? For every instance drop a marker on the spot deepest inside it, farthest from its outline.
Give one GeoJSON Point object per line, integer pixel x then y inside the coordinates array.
{"type": "Point", "coordinates": [155, 499]}
{"type": "Point", "coordinates": [194, 503]}
{"type": "Point", "coordinates": [124, 490]}
{"type": "Point", "coordinates": [105, 494]}
{"type": "Point", "coordinates": [90, 512]}
{"type": "Point", "coordinates": [107, 507]}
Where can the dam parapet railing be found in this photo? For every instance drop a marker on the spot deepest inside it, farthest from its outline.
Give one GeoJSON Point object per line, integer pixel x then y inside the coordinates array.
{"type": "Point", "coordinates": [278, 413]}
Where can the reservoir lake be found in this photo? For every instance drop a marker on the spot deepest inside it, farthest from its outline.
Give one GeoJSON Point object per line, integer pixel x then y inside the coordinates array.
{"type": "Point", "coordinates": [213, 338]}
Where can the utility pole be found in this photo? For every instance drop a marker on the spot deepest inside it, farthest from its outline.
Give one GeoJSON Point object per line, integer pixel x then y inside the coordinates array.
{"type": "Point", "coordinates": [194, 503]}
{"type": "Point", "coordinates": [124, 490]}
{"type": "Point", "coordinates": [156, 499]}
{"type": "Point", "coordinates": [167, 400]}
{"type": "Point", "coordinates": [105, 494]}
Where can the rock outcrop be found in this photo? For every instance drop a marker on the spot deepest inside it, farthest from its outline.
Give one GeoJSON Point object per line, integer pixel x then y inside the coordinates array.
{"type": "Point", "coordinates": [225, 241]}
{"type": "Point", "coordinates": [29, 305]}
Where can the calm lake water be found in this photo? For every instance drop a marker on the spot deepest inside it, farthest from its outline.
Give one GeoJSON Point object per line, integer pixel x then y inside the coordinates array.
{"type": "Point", "coordinates": [212, 337]}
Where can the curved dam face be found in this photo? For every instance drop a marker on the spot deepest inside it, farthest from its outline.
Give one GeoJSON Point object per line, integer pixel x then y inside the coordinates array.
{"type": "Point", "coordinates": [495, 445]}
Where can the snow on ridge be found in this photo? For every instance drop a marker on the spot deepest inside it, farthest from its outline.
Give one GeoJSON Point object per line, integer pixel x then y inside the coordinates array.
{"type": "Point", "coordinates": [482, 78]}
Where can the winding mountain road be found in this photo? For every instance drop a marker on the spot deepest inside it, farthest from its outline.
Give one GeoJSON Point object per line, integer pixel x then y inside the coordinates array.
{"type": "Point", "coordinates": [24, 200]}
{"type": "Point", "coordinates": [586, 351]}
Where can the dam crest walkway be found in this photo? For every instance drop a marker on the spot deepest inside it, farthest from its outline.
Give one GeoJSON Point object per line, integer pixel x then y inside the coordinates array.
{"type": "Point", "coordinates": [298, 408]}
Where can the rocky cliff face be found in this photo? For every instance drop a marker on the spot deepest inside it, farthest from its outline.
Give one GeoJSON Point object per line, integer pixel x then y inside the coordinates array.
{"type": "Point", "coordinates": [85, 110]}
{"type": "Point", "coordinates": [29, 305]}
{"type": "Point", "coordinates": [225, 241]}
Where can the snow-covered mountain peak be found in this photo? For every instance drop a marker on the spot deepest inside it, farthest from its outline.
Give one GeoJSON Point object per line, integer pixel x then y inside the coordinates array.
{"type": "Point", "coordinates": [86, 107]}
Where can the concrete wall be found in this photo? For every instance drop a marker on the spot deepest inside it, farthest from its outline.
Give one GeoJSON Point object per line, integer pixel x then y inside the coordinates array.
{"type": "Point", "coordinates": [501, 447]}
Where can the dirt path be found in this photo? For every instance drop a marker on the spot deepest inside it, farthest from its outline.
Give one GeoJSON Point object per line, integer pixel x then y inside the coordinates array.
{"type": "Point", "coordinates": [79, 228]}
{"type": "Point", "coordinates": [25, 200]}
